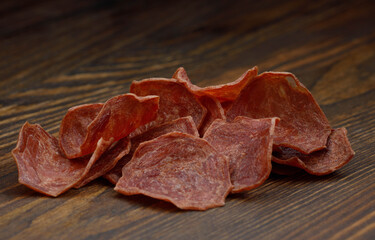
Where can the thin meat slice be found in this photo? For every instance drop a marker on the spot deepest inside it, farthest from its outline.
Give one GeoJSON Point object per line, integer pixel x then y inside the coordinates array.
{"type": "Point", "coordinates": [338, 153]}
{"type": "Point", "coordinates": [118, 117]}
{"type": "Point", "coordinates": [303, 125]}
{"type": "Point", "coordinates": [43, 167]}
{"type": "Point", "coordinates": [73, 129]}
{"type": "Point", "coordinates": [184, 125]}
{"type": "Point", "coordinates": [175, 101]}
{"type": "Point", "coordinates": [214, 111]}
{"type": "Point", "coordinates": [179, 168]}
{"type": "Point", "coordinates": [247, 143]}
{"type": "Point", "coordinates": [223, 92]}
{"type": "Point", "coordinates": [106, 162]}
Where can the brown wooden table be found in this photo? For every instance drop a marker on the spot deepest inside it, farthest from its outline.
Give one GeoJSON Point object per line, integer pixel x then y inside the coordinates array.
{"type": "Point", "coordinates": [58, 54]}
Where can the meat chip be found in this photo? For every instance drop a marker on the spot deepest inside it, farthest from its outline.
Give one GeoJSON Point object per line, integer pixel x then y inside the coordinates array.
{"type": "Point", "coordinates": [73, 129]}
{"type": "Point", "coordinates": [303, 125]}
{"type": "Point", "coordinates": [247, 143]}
{"type": "Point", "coordinates": [326, 161]}
{"type": "Point", "coordinates": [119, 116]}
{"type": "Point", "coordinates": [179, 168]}
{"type": "Point", "coordinates": [224, 92]}
{"type": "Point", "coordinates": [175, 101]}
{"type": "Point", "coordinates": [41, 165]}
{"type": "Point", "coordinates": [214, 111]}
{"type": "Point", "coordinates": [43, 168]}
{"type": "Point", "coordinates": [184, 125]}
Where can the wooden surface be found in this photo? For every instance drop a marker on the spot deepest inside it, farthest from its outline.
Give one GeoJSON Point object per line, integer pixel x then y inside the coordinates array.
{"type": "Point", "coordinates": [58, 54]}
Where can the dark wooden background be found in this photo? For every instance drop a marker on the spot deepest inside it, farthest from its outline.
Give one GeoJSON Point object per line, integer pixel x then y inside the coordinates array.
{"type": "Point", "coordinates": [58, 54]}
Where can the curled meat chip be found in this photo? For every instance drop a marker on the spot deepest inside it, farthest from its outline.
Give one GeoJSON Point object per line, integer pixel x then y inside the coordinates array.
{"type": "Point", "coordinates": [175, 101]}
{"type": "Point", "coordinates": [41, 165]}
{"type": "Point", "coordinates": [337, 154]}
{"type": "Point", "coordinates": [43, 168]}
{"type": "Point", "coordinates": [223, 92]}
{"type": "Point", "coordinates": [247, 143]}
{"type": "Point", "coordinates": [184, 125]}
{"type": "Point", "coordinates": [214, 111]}
{"type": "Point", "coordinates": [179, 168]}
{"type": "Point", "coordinates": [74, 125]}
{"type": "Point", "coordinates": [118, 117]}
{"type": "Point", "coordinates": [303, 126]}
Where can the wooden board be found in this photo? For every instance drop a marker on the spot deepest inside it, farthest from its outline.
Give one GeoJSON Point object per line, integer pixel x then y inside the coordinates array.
{"type": "Point", "coordinates": [58, 54]}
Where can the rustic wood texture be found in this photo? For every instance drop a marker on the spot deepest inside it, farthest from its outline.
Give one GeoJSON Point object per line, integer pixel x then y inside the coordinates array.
{"type": "Point", "coordinates": [58, 54]}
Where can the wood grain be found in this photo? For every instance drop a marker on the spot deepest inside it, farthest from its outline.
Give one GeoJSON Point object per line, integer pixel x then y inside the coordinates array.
{"type": "Point", "coordinates": [58, 54]}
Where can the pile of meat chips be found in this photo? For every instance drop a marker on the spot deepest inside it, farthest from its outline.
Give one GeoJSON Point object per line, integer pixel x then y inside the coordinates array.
{"type": "Point", "coordinates": [172, 140]}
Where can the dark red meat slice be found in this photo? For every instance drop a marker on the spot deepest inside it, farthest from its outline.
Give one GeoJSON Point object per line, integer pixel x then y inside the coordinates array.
{"type": "Point", "coordinates": [214, 111]}
{"type": "Point", "coordinates": [223, 92]}
{"type": "Point", "coordinates": [337, 154]}
{"type": "Point", "coordinates": [106, 162]}
{"type": "Point", "coordinates": [184, 125]}
{"type": "Point", "coordinates": [175, 101]}
{"type": "Point", "coordinates": [74, 125]}
{"type": "Point", "coordinates": [303, 126]}
{"type": "Point", "coordinates": [247, 143]}
{"type": "Point", "coordinates": [118, 117]}
{"type": "Point", "coordinates": [180, 168]}
{"type": "Point", "coordinates": [41, 165]}
{"type": "Point", "coordinates": [43, 168]}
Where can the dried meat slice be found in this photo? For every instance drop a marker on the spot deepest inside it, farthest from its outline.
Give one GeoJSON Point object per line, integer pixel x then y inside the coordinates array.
{"type": "Point", "coordinates": [303, 125]}
{"type": "Point", "coordinates": [74, 125]}
{"type": "Point", "coordinates": [106, 162]}
{"type": "Point", "coordinates": [247, 143]}
{"type": "Point", "coordinates": [326, 161]}
{"type": "Point", "coordinates": [214, 111]}
{"type": "Point", "coordinates": [175, 101]}
{"type": "Point", "coordinates": [41, 165]}
{"type": "Point", "coordinates": [179, 168]}
{"type": "Point", "coordinates": [117, 118]}
{"type": "Point", "coordinates": [223, 92]}
{"type": "Point", "coordinates": [184, 125]}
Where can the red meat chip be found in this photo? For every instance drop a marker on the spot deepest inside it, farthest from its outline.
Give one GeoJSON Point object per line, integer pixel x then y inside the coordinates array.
{"type": "Point", "coordinates": [214, 111]}
{"type": "Point", "coordinates": [179, 168]}
{"type": "Point", "coordinates": [338, 153]}
{"type": "Point", "coordinates": [41, 165]}
{"type": "Point", "coordinates": [303, 126]}
{"type": "Point", "coordinates": [75, 123]}
{"type": "Point", "coordinates": [247, 143]}
{"type": "Point", "coordinates": [43, 168]}
{"type": "Point", "coordinates": [223, 92]}
{"type": "Point", "coordinates": [175, 101]}
{"type": "Point", "coordinates": [106, 162]}
{"type": "Point", "coordinates": [118, 117]}
{"type": "Point", "coordinates": [184, 125]}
